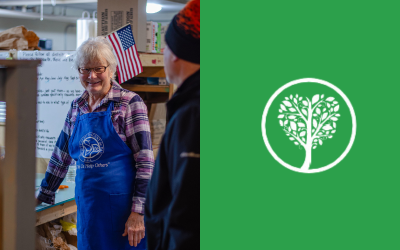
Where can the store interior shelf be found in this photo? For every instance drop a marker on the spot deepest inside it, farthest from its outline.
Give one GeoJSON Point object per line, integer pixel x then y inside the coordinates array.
{"type": "Point", "coordinates": [146, 88]}
{"type": "Point", "coordinates": [152, 72]}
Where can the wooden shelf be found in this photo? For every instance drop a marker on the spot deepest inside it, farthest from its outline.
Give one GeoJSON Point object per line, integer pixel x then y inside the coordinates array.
{"type": "Point", "coordinates": [55, 212]}
{"type": "Point", "coordinates": [146, 88]}
{"type": "Point", "coordinates": [152, 72]}
{"type": "Point", "coordinates": [168, 89]}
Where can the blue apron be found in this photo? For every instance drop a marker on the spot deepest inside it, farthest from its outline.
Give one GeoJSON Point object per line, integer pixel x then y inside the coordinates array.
{"type": "Point", "coordinates": [105, 179]}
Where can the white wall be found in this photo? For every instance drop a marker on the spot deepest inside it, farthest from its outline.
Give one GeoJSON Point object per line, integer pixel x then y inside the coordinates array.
{"type": "Point", "coordinates": [161, 17]}
{"type": "Point", "coordinates": [45, 29]}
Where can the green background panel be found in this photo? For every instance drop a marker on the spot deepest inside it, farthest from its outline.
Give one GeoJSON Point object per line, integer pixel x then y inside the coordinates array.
{"type": "Point", "coordinates": [248, 51]}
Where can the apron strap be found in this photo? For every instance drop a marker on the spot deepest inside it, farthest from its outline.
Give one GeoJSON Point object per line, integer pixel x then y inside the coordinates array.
{"type": "Point", "coordinates": [110, 107]}
{"type": "Point", "coordinates": [79, 111]}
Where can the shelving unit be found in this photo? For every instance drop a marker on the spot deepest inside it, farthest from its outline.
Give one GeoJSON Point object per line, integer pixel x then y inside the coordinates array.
{"type": "Point", "coordinates": [18, 88]}
{"type": "Point", "coordinates": [153, 66]}
{"type": "Point", "coordinates": [150, 88]}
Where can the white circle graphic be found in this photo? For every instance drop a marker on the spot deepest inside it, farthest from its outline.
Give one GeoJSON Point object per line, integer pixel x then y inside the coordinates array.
{"type": "Point", "coordinates": [353, 119]}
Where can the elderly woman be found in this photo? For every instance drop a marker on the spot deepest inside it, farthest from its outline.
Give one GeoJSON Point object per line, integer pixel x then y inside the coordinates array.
{"type": "Point", "coordinates": [107, 133]}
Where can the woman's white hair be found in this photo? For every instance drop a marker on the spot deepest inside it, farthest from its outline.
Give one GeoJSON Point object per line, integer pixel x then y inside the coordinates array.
{"type": "Point", "coordinates": [95, 49]}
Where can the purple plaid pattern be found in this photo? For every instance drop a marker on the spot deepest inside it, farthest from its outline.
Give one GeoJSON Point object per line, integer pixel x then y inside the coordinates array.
{"type": "Point", "coordinates": [130, 120]}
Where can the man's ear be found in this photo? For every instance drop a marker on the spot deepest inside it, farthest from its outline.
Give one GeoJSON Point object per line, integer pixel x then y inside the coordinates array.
{"type": "Point", "coordinates": [174, 57]}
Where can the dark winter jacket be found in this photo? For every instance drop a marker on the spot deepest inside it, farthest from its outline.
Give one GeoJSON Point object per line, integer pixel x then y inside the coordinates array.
{"type": "Point", "coordinates": [172, 210]}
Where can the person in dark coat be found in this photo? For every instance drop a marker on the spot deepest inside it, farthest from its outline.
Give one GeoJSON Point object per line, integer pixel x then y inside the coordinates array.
{"type": "Point", "coordinates": [172, 208]}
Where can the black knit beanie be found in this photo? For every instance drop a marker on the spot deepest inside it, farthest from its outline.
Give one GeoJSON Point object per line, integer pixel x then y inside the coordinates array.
{"type": "Point", "coordinates": [183, 34]}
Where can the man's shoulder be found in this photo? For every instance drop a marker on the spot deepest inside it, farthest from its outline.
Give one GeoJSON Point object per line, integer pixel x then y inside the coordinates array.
{"type": "Point", "coordinates": [184, 125]}
{"type": "Point", "coordinates": [190, 112]}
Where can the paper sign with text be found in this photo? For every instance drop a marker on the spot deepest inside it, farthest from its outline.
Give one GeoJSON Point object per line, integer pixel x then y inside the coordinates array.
{"type": "Point", "coordinates": [58, 86]}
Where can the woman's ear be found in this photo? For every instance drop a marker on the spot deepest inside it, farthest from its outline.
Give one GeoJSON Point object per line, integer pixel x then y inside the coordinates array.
{"type": "Point", "coordinates": [111, 75]}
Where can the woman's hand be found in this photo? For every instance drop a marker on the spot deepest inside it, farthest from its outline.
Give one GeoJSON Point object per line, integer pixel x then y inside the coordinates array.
{"type": "Point", "coordinates": [134, 228]}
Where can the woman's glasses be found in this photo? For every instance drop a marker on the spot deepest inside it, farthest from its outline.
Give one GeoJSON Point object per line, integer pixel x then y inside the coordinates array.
{"type": "Point", "coordinates": [97, 70]}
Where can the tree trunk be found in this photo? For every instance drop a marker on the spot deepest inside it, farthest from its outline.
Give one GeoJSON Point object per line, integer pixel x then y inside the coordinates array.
{"type": "Point", "coordinates": [308, 147]}
{"type": "Point", "coordinates": [307, 161]}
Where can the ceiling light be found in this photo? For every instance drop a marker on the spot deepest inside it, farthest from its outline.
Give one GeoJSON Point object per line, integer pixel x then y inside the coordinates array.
{"type": "Point", "coordinates": [153, 8]}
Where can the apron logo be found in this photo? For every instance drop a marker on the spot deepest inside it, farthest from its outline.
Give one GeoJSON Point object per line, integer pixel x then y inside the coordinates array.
{"type": "Point", "coordinates": [305, 127]}
{"type": "Point", "coordinates": [91, 147]}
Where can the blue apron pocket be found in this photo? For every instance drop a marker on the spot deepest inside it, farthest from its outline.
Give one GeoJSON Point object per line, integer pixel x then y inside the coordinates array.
{"type": "Point", "coordinates": [121, 205]}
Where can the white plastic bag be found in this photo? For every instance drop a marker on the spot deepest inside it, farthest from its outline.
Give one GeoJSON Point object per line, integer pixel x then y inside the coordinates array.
{"type": "Point", "coordinates": [43, 243]}
{"type": "Point", "coordinates": [54, 236]}
{"type": "Point", "coordinates": [71, 218]}
{"type": "Point", "coordinates": [84, 28]}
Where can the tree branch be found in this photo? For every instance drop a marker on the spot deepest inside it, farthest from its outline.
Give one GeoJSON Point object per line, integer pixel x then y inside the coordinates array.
{"type": "Point", "coordinates": [319, 127]}
{"type": "Point", "coordinates": [301, 114]}
{"type": "Point", "coordinates": [290, 114]}
{"type": "Point", "coordinates": [316, 105]}
{"type": "Point", "coordinates": [297, 138]}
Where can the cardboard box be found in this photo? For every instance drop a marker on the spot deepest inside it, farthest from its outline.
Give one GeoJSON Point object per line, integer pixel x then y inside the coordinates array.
{"type": "Point", "coordinates": [149, 36]}
{"type": "Point", "coordinates": [153, 41]}
{"type": "Point", "coordinates": [71, 239]}
{"type": "Point", "coordinates": [157, 119]}
{"type": "Point", "coordinates": [162, 36]}
{"type": "Point", "coordinates": [112, 15]}
{"type": "Point", "coordinates": [155, 151]}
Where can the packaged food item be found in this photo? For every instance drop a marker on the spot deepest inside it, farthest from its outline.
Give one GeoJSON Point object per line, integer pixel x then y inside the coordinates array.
{"type": "Point", "coordinates": [153, 42]}
{"type": "Point", "coordinates": [49, 236]}
{"type": "Point", "coordinates": [162, 38]}
{"type": "Point", "coordinates": [68, 223]}
{"type": "Point", "coordinates": [19, 38]}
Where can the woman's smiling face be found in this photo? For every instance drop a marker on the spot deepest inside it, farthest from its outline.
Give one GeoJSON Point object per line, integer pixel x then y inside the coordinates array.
{"type": "Point", "coordinates": [96, 83]}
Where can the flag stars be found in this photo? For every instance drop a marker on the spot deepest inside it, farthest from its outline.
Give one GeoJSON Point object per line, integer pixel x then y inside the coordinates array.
{"type": "Point", "coordinates": [126, 37]}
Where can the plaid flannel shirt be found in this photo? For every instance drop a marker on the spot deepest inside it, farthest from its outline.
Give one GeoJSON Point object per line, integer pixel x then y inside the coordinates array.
{"type": "Point", "coordinates": [131, 122]}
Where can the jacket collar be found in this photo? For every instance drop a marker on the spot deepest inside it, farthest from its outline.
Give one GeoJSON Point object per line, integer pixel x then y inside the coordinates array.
{"type": "Point", "coordinates": [188, 91]}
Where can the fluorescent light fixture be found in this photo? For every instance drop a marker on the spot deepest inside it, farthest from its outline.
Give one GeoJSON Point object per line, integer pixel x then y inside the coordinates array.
{"type": "Point", "coordinates": [153, 8]}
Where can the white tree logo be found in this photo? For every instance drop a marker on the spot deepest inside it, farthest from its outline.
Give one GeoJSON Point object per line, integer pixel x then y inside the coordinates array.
{"type": "Point", "coordinates": [308, 123]}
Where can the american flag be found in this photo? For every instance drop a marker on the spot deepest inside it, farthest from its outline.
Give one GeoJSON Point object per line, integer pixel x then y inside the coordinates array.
{"type": "Point", "coordinates": [129, 64]}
